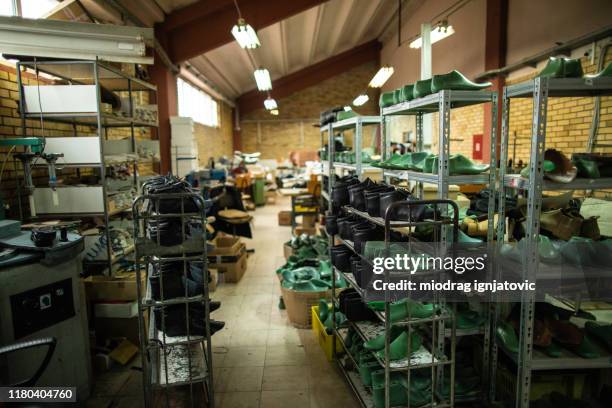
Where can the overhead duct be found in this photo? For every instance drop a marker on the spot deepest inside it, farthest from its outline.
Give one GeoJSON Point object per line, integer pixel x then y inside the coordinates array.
{"type": "Point", "coordinates": [62, 39]}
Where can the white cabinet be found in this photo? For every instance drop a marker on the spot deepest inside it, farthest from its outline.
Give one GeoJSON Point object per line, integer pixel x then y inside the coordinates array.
{"type": "Point", "coordinates": [184, 147]}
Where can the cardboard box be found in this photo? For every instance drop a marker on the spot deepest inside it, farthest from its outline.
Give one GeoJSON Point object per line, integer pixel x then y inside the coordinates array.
{"type": "Point", "coordinates": [284, 218]}
{"type": "Point", "coordinates": [119, 288]}
{"type": "Point", "coordinates": [122, 310]}
{"type": "Point", "coordinates": [115, 328]}
{"type": "Point", "coordinates": [234, 271]}
{"type": "Point", "coordinates": [305, 230]}
{"type": "Point", "coordinates": [226, 245]}
{"type": "Point", "coordinates": [309, 220]}
{"type": "Point", "coordinates": [287, 250]}
{"type": "Point", "coordinates": [214, 279]}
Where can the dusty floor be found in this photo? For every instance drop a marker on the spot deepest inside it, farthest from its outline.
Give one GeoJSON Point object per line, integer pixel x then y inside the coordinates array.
{"type": "Point", "coordinates": [260, 359]}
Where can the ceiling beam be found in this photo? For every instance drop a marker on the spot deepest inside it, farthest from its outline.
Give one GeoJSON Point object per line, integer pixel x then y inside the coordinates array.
{"type": "Point", "coordinates": [312, 75]}
{"type": "Point", "coordinates": [206, 25]}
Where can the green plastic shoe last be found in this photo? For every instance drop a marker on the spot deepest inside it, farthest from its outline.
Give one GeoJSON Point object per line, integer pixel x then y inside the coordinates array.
{"type": "Point", "coordinates": [398, 391]}
{"type": "Point", "coordinates": [386, 99]}
{"type": "Point", "coordinates": [393, 161]}
{"type": "Point", "coordinates": [400, 310]}
{"type": "Point", "coordinates": [401, 162]}
{"type": "Point", "coordinates": [378, 343]}
{"type": "Point", "coordinates": [341, 115]}
{"type": "Point", "coordinates": [397, 96]}
{"type": "Point", "coordinates": [602, 332]}
{"type": "Point", "coordinates": [553, 350]}
{"type": "Point", "coordinates": [586, 168]}
{"type": "Point", "coordinates": [559, 67]}
{"type": "Point", "coordinates": [422, 88]}
{"type": "Point", "coordinates": [429, 163]}
{"type": "Point", "coordinates": [398, 349]}
{"type": "Point", "coordinates": [606, 72]}
{"type": "Point", "coordinates": [507, 336]}
{"type": "Point", "coordinates": [547, 166]}
{"type": "Point", "coordinates": [366, 370]}
{"type": "Point", "coordinates": [469, 319]}
{"type": "Point", "coordinates": [397, 395]}
{"type": "Point", "coordinates": [586, 349]}
{"type": "Point", "coordinates": [323, 310]}
{"type": "Point", "coordinates": [407, 93]}
{"type": "Point", "coordinates": [418, 160]}
{"type": "Point", "coordinates": [457, 164]}
{"type": "Point", "coordinates": [465, 238]}
{"type": "Point", "coordinates": [455, 80]}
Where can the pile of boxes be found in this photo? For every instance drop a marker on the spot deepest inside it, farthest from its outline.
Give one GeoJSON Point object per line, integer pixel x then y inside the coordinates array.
{"type": "Point", "coordinates": [229, 258]}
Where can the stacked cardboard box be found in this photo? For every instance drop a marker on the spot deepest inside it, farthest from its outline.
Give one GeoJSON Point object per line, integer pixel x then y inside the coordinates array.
{"type": "Point", "coordinates": [229, 258]}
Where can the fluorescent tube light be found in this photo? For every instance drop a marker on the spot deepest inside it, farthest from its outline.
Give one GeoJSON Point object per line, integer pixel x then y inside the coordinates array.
{"type": "Point", "coordinates": [262, 77]}
{"type": "Point", "coordinates": [437, 34]}
{"type": "Point", "coordinates": [361, 99]}
{"type": "Point", "coordinates": [245, 35]}
{"type": "Point", "coordinates": [274, 112]}
{"type": "Point", "coordinates": [347, 108]}
{"type": "Point", "coordinates": [270, 104]}
{"type": "Point", "coordinates": [379, 79]}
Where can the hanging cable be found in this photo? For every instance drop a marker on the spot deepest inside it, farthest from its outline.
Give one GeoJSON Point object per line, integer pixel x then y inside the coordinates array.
{"type": "Point", "coordinates": [237, 8]}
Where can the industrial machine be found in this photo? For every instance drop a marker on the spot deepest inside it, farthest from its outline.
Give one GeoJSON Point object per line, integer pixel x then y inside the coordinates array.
{"type": "Point", "coordinates": [41, 297]}
{"type": "Point", "coordinates": [34, 149]}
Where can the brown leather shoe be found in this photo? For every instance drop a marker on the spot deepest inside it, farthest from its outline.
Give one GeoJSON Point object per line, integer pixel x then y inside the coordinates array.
{"type": "Point", "coordinates": [562, 224]}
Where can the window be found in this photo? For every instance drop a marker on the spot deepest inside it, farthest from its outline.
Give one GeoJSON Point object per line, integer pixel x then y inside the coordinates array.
{"type": "Point", "coordinates": [197, 105]}
{"type": "Point", "coordinates": [29, 8]}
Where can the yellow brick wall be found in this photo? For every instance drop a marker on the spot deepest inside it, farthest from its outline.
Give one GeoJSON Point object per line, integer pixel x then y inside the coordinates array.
{"type": "Point", "coordinates": [215, 142]}
{"type": "Point", "coordinates": [568, 121]}
{"type": "Point", "coordinates": [292, 129]}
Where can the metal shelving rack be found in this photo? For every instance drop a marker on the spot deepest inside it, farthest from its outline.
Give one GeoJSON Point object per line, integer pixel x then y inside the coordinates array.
{"type": "Point", "coordinates": [443, 102]}
{"type": "Point", "coordinates": [356, 124]}
{"type": "Point", "coordinates": [434, 358]}
{"type": "Point", "coordinates": [540, 89]}
{"type": "Point", "coordinates": [101, 77]}
{"type": "Point", "coordinates": [184, 360]}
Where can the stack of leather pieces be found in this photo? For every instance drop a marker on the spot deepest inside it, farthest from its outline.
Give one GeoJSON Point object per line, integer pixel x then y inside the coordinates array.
{"type": "Point", "coordinates": [553, 331]}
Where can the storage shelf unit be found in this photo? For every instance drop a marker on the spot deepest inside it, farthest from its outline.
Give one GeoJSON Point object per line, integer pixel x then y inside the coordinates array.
{"type": "Point", "coordinates": [356, 124]}
{"type": "Point", "coordinates": [443, 102]}
{"type": "Point", "coordinates": [75, 97]}
{"type": "Point", "coordinates": [540, 89]}
{"type": "Point", "coordinates": [184, 359]}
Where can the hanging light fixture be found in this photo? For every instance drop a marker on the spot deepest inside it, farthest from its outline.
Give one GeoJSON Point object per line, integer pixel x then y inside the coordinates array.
{"type": "Point", "coordinates": [262, 77]}
{"type": "Point", "coordinates": [245, 35]}
{"type": "Point", "coordinates": [379, 79]}
{"type": "Point", "coordinates": [440, 32]}
{"type": "Point", "coordinates": [270, 104]}
{"type": "Point", "coordinates": [347, 108]}
{"type": "Point", "coordinates": [274, 112]}
{"type": "Point", "coordinates": [361, 99]}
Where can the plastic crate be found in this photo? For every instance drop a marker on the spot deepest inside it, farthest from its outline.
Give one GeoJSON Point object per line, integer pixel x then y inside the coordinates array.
{"type": "Point", "coordinates": [325, 340]}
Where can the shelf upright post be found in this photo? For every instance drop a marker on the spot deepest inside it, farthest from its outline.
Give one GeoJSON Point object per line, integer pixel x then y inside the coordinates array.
{"type": "Point", "coordinates": [495, 308]}
{"type": "Point", "coordinates": [418, 118]}
{"type": "Point", "coordinates": [331, 175]}
{"type": "Point", "coordinates": [530, 265]}
{"type": "Point", "coordinates": [109, 251]}
{"type": "Point", "coordinates": [444, 112]}
{"type": "Point", "coordinates": [488, 310]}
{"type": "Point", "coordinates": [23, 134]}
{"type": "Point", "coordinates": [358, 144]}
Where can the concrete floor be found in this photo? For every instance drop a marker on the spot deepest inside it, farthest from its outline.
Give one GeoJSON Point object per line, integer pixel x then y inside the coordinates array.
{"type": "Point", "coordinates": [260, 360]}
